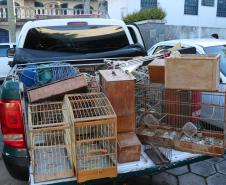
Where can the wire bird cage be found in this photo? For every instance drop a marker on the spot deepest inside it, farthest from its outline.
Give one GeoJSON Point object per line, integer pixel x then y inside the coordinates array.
{"type": "Point", "coordinates": [183, 119]}
{"type": "Point", "coordinates": [93, 84]}
{"type": "Point", "coordinates": [33, 75]}
{"type": "Point", "coordinates": [50, 141]}
{"type": "Point", "coordinates": [95, 128]}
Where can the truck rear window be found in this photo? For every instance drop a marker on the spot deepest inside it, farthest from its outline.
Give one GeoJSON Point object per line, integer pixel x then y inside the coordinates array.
{"type": "Point", "coordinates": [79, 39]}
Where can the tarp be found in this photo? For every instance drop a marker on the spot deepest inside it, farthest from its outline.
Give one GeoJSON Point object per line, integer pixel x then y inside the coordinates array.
{"type": "Point", "coordinates": [23, 55]}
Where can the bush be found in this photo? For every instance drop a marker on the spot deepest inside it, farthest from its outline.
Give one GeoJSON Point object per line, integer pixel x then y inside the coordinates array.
{"type": "Point", "coordinates": [150, 13]}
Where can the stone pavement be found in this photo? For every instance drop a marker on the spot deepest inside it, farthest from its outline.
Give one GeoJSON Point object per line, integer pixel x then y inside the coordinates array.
{"type": "Point", "coordinates": [6, 179]}
{"type": "Point", "coordinates": [209, 172]}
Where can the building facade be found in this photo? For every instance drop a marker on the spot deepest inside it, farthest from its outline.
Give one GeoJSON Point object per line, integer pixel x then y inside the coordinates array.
{"type": "Point", "coordinates": [26, 10]}
{"type": "Point", "coordinates": [204, 13]}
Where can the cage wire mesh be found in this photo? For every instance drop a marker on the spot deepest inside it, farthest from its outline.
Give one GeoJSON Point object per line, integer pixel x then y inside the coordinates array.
{"type": "Point", "coordinates": [165, 152]}
{"type": "Point", "coordinates": [182, 115]}
{"type": "Point", "coordinates": [34, 75]}
{"type": "Point", "coordinates": [95, 130]}
{"type": "Point", "coordinates": [93, 83]}
{"type": "Point", "coordinates": [50, 141]}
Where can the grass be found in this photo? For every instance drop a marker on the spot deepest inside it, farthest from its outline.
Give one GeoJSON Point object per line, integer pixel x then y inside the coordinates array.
{"type": "Point", "coordinates": [145, 14]}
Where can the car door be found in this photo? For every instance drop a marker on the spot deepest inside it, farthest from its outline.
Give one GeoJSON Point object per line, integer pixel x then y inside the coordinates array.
{"type": "Point", "coordinates": [4, 67]}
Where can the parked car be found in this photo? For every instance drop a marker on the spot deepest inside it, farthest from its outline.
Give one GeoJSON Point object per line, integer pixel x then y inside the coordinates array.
{"type": "Point", "coordinates": [203, 46]}
{"type": "Point", "coordinates": [4, 59]}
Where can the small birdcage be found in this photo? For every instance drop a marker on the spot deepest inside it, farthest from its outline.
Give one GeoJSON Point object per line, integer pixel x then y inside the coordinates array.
{"type": "Point", "coordinates": [50, 141]}
{"type": "Point", "coordinates": [183, 119]}
{"type": "Point", "coordinates": [95, 128]}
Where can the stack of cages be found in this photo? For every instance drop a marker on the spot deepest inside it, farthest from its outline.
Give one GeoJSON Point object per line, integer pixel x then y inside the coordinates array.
{"type": "Point", "coordinates": [50, 141]}
{"type": "Point", "coordinates": [95, 136]}
{"type": "Point", "coordinates": [187, 120]}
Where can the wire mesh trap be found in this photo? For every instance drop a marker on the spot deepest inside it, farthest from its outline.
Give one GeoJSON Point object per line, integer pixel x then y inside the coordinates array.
{"type": "Point", "coordinates": [50, 141]}
{"type": "Point", "coordinates": [34, 75]}
{"type": "Point", "coordinates": [185, 120]}
{"type": "Point", "coordinates": [95, 150]}
{"type": "Point", "coordinates": [93, 84]}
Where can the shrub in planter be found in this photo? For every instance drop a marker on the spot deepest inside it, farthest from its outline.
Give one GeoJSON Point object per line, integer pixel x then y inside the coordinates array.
{"type": "Point", "coordinates": [145, 14]}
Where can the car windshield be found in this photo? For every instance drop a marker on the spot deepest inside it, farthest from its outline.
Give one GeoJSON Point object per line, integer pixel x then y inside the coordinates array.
{"type": "Point", "coordinates": [3, 50]}
{"type": "Point", "coordinates": [219, 50]}
{"type": "Point", "coordinates": [80, 39]}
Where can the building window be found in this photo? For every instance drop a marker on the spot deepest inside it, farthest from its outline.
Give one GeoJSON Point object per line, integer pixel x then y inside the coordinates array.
{"type": "Point", "coordinates": [221, 8]}
{"type": "Point", "coordinates": [191, 7]}
{"type": "Point", "coordinates": [148, 4]}
{"type": "Point", "coordinates": [38, 4]}
{"type": "Point", "coordinates": [207, 2]}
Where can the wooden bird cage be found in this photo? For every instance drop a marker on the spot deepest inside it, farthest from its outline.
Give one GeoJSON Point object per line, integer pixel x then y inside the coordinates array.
{"type": "Point", "coordinates": [186, 120]}
{"type": "Point", "coordinates": [50, 141]}
{"type": "Point", "coordinates": [95, 128]}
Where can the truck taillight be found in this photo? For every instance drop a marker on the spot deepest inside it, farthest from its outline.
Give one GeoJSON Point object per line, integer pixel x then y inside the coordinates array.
{"type": "Point", "coordinates": [12, 123]}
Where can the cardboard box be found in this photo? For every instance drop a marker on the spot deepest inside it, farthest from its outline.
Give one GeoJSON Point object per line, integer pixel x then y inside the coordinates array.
{"type": "Point", "coordinates": [119, 87]}
{"type": "Point", "coordinates": [129, 147]}
{"type": "Point", "coordinates": [193, 72]}
{"type": "Point", "coordinates": [157, 71]}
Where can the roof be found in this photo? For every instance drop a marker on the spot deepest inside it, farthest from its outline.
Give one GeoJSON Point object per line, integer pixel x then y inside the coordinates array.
{"type": "Point", "coordinates": [200, 42]}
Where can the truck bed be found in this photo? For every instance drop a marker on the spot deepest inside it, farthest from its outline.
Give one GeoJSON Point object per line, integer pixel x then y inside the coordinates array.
{"type": "Point", "coordinates": [143, 167]}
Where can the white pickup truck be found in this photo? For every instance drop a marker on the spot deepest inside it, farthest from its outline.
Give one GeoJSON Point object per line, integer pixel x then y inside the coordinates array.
{"type": "Point", "coordinates": [83, 43]}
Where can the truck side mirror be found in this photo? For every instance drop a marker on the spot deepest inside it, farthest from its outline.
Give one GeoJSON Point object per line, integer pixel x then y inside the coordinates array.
{"type": "Point", "coordinates": [11, 52]}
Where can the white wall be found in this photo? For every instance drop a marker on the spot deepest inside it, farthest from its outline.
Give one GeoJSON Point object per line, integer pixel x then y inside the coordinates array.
{"type": "Point", "coordinates": [175, 12]}
{"type": "Point", "coordinates": [206, 15]}
{"type": "Point", "coordinates": [119, 8]}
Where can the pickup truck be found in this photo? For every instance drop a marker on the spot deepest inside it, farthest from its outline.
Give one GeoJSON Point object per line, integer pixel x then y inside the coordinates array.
{"type": "Point", "coordinates": [83, 43]}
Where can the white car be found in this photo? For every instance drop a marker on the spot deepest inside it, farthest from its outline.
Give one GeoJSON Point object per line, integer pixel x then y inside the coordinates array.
{"type": "Point", "coordinates": [203, 46]}
{"type": "Point", "coordinates": [4, 60]}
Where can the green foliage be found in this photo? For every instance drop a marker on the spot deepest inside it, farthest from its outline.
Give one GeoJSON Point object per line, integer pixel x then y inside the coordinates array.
{"type": "Point", "coordinates": [149, 13]}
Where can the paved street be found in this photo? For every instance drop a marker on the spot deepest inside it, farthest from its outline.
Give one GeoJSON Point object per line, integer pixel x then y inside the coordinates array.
{"type": "Point", "coordinates": [208, 172]}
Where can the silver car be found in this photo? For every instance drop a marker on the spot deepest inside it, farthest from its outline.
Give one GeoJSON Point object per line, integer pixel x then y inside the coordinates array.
{"type": "Point", "coordinates": [4, 59]}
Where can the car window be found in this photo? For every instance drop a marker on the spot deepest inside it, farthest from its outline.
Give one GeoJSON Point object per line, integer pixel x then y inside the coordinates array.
{"type": "Point", "coordinates": [219, 50]}
{"type": "Point", "coordinates": [79, 39]}
{"type": "Point", "coordinates": [3, 50]}
{"type": "Point", "coordinates": [162, 49]}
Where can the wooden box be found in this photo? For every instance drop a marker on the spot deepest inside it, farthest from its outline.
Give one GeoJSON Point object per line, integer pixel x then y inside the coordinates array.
{"type": "Point", "coordinates": [192, 72]}
{"type": "Point", "coordinates": [56, 90]}
{"type": "Point", "coordinates": [129, 147]}
{"type": "Point", "coordinates": [157, 71]}
{"type": "Point", "coordinates": [119, 87]}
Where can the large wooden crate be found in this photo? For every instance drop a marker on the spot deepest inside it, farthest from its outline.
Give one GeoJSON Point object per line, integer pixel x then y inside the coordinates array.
{"type": "Point", "coordinates": [50, 141]}
{"type": "Point", "coordinates": [119, 87]}
{"type": "Point", "coordinates": [95, 136]}
{"type": "Point", "coordinates": [193, 72]}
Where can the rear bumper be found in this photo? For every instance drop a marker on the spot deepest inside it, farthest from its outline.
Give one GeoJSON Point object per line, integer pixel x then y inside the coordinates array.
{"type": "Point", "coordinates": [17, 165]}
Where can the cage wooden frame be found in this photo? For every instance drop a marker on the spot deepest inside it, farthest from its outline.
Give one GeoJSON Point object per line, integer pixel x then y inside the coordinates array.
{"type": "Point", "coordinates": [50, 141]}
{"type": "Point", "coordinates": [167, 112]}
{"type": "Point", "coordinates": [95, 136]}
